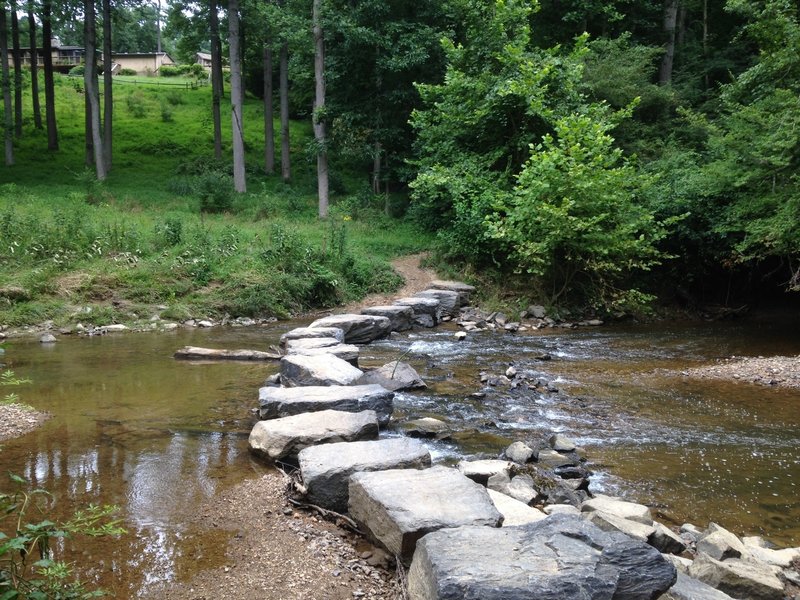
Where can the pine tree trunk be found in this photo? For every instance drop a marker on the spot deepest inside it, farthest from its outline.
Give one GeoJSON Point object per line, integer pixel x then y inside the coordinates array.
{"type": "Point", "coordinates": [17, 72]}
{"type": "Point", "coordinates": [237, 138]}
{"type": "Point", "coordinates": [269, 128]}
{"type": "Point", "coordinates": [319, 110]}
{"type": "Point", "coordinates": [286, 164]}
{"type": "Point", "coordinates": [670, 18]}
{"type": "Point", "coordinates": [108, 96]}
{"type": "Point", "coordinates": [91, 89]}
{"type": "Point", "coordinates": [8, 115]}
{"type": "Point", "coordinates": [49, 85]}
{"type": "Point", "coordinates": [37, 109]}
{"type": "Point", "coordinates": [216, 78]}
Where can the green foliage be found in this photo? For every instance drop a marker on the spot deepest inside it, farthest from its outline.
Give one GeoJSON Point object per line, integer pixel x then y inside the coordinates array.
{"type": "Point", "coordinates": [77, 71]}
{"type": "Point", "coordinates": [27, 566]}
{"type": "Point", "coordinates": [137, 104]}
{"type": "Point", "coordinates": [169, 71]}
{"type": "Point", "coordinates": [128, 72]}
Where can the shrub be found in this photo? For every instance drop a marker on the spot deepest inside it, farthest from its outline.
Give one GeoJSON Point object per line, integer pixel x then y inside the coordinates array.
{"type": "Point", "coordinates": [77, 71]}
{"type": "Point", "coordinates": [175, 98]}
{"type": "Point", "coordinates": [137, 105]}
{"type": "Point", "coordinates": [166, 112]}
{"type": "Point", "coordinates": [128, 72]}
{"type": "Point", "coordinates": [215, 191]}
{"type": "Point", "coordinates": [169, 71]}
{"type": "Point", "coordinates": [194, 70]}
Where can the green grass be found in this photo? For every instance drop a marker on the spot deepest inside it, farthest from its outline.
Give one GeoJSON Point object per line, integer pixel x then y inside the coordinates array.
{"type": "Point", "coordinates": [92, 252]}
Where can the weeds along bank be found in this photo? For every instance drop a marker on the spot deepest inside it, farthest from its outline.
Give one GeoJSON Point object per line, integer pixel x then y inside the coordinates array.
{"type": "Point", "coordinates": [64, 260]}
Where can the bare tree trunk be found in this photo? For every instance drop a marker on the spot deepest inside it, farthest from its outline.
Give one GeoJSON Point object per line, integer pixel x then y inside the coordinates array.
{"type": "Point", "coordinates": [319, 110]}
{"type": "Point", "coordinates": [88, 142]}
{"type": "Point", "coordinates": [670, 18]}
{"type": "Point", "coordinates": [49, 86]}
{"type": "Point", "coordinates": [376, 167]}
{"type": "Point", "coordinates": [237, 139]}
{"type": "Point", "coordinates": [286, 165]}
{"type": "Point", "coordinates": [216, 78]}
{"type": "Point", "coordinates": [108, 97]}
{"type": "Point", "coordinates": [269, 128]}
{"type": "Point", "coordinates": [705, 45]}
{"type": "Point", "coordinates": [37, 109]}
{"type": "Point", "coordinates": [91, 88]}
{"type": "Point", "coordinates": [17, 72]}
{"type": "Point", "coordinates": [8, 119]}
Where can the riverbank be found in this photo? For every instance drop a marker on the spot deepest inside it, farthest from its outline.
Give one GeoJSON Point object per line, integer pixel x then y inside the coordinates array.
{"type": "Point", "coordinates": [779, 371]}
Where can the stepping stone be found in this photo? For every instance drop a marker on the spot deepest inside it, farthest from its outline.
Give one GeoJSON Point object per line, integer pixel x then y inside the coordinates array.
{"type": "Point", "coordinates": [553, 459]}
{"type": "Point", "coordinates": [358, 329]}
{"type": "Point", "coordinates": [395, 376]}
{"type": "Point", "coordinates": [299, 371]}
{"type": "Point", "coordinates": [319, 346]}
{"type": "Point", "coordinates": [720, 543]}
{"type": "Point", "coordinates": [610, 522]}
{"type": "Point", "coordinates": [738, 578]}
{"type": "Point", "coordinates": [426, 310]}
{"type": "Point", "coordinates": [620, 508]}
{"type": "Point", "coordinates": [463, 289]}
{"type": "Point", "coordinates": [449, 302]}
{"type": "Point", "coordinates": [481, 470]}
{"type": "Point", "coordinates": [515, 512]}
{"type": "Point", "coordinates": [558, 558]}
{"type": "Point", "coordinates": [326, 470]}
{"type": "Point", "coordinates": [276, 402]}
{"type": "Point", "coordinates": [400, 317]}
{"type": "Point", "coordinates": [303, 333]}
{"type": "Point", "coordinates": [281, 438]}
{"type": "Point", "coordinates": [398, 507]}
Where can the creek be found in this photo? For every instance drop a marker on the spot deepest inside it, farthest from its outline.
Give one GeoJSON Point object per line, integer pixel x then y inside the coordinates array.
{"type": "Point", "coordinates": [158, 437]}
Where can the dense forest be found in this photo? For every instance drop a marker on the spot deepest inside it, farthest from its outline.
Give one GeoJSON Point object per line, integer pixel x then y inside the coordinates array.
{"type": "Point", "coordinates": [597, 153]}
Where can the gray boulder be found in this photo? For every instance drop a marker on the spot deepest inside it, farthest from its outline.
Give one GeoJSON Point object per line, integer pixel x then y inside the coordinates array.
{"type": "Point", "coordinates": [558, 558]}
{"type": "Point", "coordinates": [689, 588]}
{"type": "Point", "coordinates": [394, 376]}
{"type": "Point", "coordinates": [276, 402]}
{"type": "Point", "coordinates": [426, 427]}
{"type": "Point", "coordinates": [298, 371]}
{"type": "Point", "coordinates": [566, 509]}
{"type": "Point", "coordinates": [464, 290]}
{"type": "Point", "coordinates": [280, 438]}
{"type": "Point", "coordinates": [449, 302]}
{"type": "Point", "coordinates": [397, 507]}
{"type": "Point", "coordinates": [561, 443]}
{"type": "Point", "coordinates": [426, 310]}
{"type": "Point", "coordinates": [519, 452]}
{"type": "Point", "coordinates": [521, 487]}
{"type": "Point", "coordinates": [326, 470]}
{"type": "Point", "coordinates": [552, 459]}
{"type": "Point", "coordinates": [481, 470]}
{"type": "Point", "coordinates": [514, 512]}
{"type": "Point", "coordinates": [665, 540]}
{"type": "Point", "coordinates": [719, 543]}
{"type": "Point", "coordinates": [609, 522]}
{"type": "Point", "coordinates": [400, 317]}
{"type": "Point", "coordinates": [738, 578]}
{"type": "Point", "coordinates": [302, 333]}
{"type": "Point", "coordinates": [358, 329]}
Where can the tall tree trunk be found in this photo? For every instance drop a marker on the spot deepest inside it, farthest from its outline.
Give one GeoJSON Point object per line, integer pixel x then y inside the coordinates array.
{"type": "Point", "coordinates": [216, 77]}
{"type": "Point", "coordinates": [8, 119]}
{"type": "Point", "coordinates": [670, 18]}
{"type": "Point", "coordinates": [37, 109]}
{"type": "Point", "coordinates": [91, 89]}
{"type": "Point", "coordinates": [49, 86]}
{"type": "Point", "coordinates": [376, 167]}
{"type": "Point", "coordinates": [286, 164]}
{"type": "Point", "coordinates": [705, 45]}
{"type": "Point", "coordinates": [319, 110]}
{"type": "Point", "coordinates": [237, 138]}
{"type": "Point", "coordinates": [269, 128]}
{"type": "Point", "coordinates": [88, 142]}
{"type": "Point", "coordinates": [108, 96]}
{"type": "Point", "coordinates": [17, 72]}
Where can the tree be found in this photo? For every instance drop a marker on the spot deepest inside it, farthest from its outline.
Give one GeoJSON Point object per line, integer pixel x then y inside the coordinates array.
{"type": "Point", "coordinates": [670, 20]}
{"type": "Point", "coordinates": [91, 90]}
{"type": "Point", "coordinates": [49, 84]}
{"type": "Point", "coordinates": [37, 110]}
{"type": "Point", "coordinates": [319, 116]}
{"type": "Point", "coordinates": [108, 94]}
{"type": "Point", "coordinates": [269, 129]}
{"type": "Point", "coordinates": [8, 122]}
{"type": "Point", "coordinates": [283, 76]}
{"type": "Point", "coordinates": [17, 72]}
{"type": "Point", "coordinates": [217, 90]}
{"type": "Point", "coordinates": [237, 96]}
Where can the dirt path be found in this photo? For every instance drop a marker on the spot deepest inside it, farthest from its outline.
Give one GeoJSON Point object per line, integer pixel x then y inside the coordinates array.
{"type": "Point", "coordinates": [416, 279]}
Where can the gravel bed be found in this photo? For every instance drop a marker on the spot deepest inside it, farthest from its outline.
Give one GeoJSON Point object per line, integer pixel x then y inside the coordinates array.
{"type": "Point", "coordinates": [18, 419]}
{"type": "Point", "coordinates": [781, 371]}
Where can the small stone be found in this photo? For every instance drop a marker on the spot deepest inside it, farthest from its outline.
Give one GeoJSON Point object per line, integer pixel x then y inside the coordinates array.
{"type": "Point", "coordinates": [460, 335]}
{"type": "Point", "coordinates": [47, 338]}
{"type": "Point", "coordinates": [511, 372]}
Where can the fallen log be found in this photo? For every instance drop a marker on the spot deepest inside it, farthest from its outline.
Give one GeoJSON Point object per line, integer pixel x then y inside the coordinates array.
{"type": "Point", "coordinates": [196, 353]}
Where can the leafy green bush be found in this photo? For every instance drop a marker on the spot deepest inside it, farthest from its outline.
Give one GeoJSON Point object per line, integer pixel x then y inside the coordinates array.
{"type": "Point", "coordinates": [169, 71]}
{"type": "Point", "coordinates": [137, 104]}
{"type": "Point", "coordinates": [194, 70]}
{"type": "Point", "coordinates": [77, 71]}
{"type": "Point", "coordinates": [215, 191]}
{"type": "Point", "coordinates": [128, 72]}
{"type": "Point", "coordinates": [175, 97]}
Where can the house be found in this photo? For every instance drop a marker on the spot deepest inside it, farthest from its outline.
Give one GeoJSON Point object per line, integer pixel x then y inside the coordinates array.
{"type": "Point", "coordinates": [203, 59]}
{"type": "Point", "coordinates": [144, 63]}
{"type": "Point", "coordinates": [64, 57]}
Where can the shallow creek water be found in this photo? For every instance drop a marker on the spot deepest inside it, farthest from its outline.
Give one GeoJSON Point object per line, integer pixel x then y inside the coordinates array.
{"type": "Point", "coordinates": [156, 436]}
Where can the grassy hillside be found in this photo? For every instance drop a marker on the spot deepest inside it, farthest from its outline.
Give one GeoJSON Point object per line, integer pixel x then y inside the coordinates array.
{"type": "Point", "coordinates": [73, 250]}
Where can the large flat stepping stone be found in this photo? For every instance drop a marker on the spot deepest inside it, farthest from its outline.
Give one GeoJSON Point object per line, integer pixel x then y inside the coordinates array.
{"type": "Point", "coordinates": [449, 302]}
{"type": "Point", "coordinates": [326, 470]}
{"type": "Point", "coordinates": [515, 512]}
{"type": "Point", "coordinates": [558, 558]}
{"type": "Point", "coordinates": [426, 310]}
{"type": "Point", "coordinates": [275, 402]}
{"type": "Point", "coordinates": [398, 507]}
{"type": "Point", "coordinates": [465, 290]}
{"type": "Point", "coordinates": [358, 329]}
{"type": "Point", "coordinates": [302, 333]}
{"type": "Point", "coordinates": [298, 370]}
{"type": "Point", "coordinates": [326, 345]}
{"type": "Point", "coordinates": [281, 438]}
{"type": "Point", "coordinates": [620, 508]}
{"type": "Point", "coordinates": [400, 317]}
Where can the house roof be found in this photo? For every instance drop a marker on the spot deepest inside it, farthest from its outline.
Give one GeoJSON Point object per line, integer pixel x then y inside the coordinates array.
{"type": "Point", "coordinates": [204, 55]}
{"type": "Point", "coordinates": [140, 54]}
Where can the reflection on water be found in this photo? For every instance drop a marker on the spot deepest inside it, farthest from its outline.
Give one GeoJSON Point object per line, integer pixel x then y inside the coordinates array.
{"type": "Point", "coordinates": [135, 428]}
